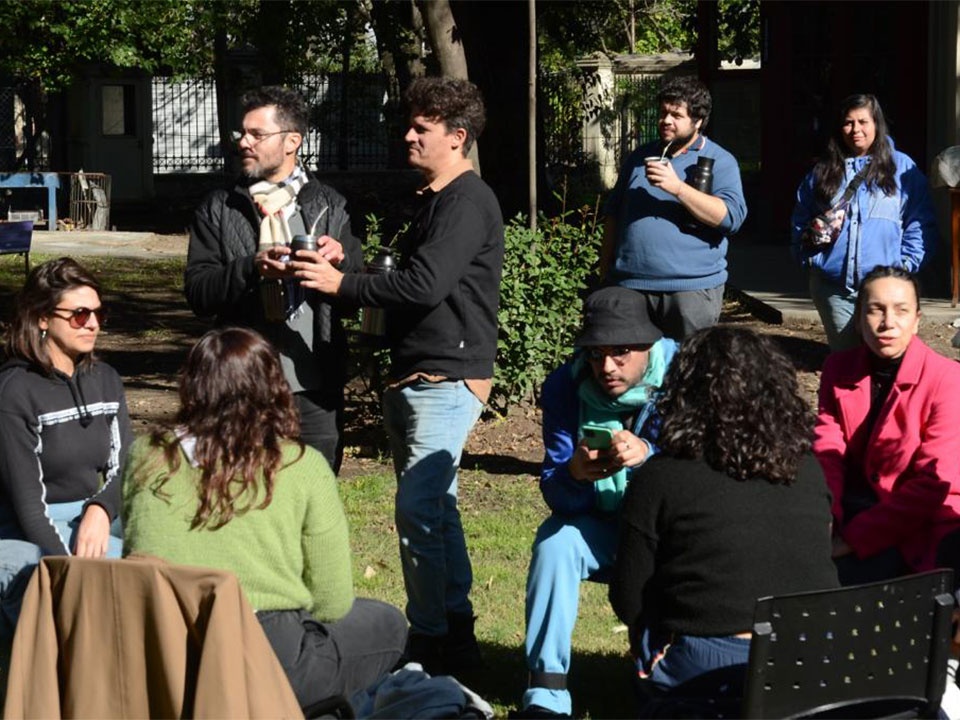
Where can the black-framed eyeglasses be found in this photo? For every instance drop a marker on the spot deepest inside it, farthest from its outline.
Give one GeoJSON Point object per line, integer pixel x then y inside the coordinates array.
{"type": "Point", "coordinates": [79, 317]}
{"type": "Point", "coordinates": [616, 353]}
{"type": "Point", "coordinates": [256, 136]}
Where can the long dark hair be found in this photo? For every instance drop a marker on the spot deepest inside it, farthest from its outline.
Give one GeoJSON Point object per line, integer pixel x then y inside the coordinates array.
{"type": "Point", "coordinates": [236, 404]}
{"type": "Point", "coordinates": [39, 297]}
{"type": "Point", "coordinates": [828, 173]}
{"type": "Point", "coordinates": [731, 398]}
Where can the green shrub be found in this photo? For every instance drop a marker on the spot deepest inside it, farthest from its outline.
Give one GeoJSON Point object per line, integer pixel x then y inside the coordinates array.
{"type": "Point", "coordinates": [544, 276]}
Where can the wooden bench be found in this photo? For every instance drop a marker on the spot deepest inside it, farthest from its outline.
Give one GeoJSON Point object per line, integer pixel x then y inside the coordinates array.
{"type": "Point", "coordinates": [15, 240]}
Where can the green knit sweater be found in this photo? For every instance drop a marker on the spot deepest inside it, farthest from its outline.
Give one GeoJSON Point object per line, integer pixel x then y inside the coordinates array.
{"type": "Point", "coordinates": [293, 554]}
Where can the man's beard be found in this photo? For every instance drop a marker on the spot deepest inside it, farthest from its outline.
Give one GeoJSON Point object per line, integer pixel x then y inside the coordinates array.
{"type": "Point", "coordinates": [680, 141]}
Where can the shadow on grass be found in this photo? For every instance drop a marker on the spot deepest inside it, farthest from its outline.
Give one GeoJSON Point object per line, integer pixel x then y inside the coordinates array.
{"type": "Point", "coordinates": [495, 464]}
{"type": "Point", "coordinates": [600, 683]}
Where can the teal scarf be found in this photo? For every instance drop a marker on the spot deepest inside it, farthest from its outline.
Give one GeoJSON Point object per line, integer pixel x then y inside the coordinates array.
{"type": "Point", "coordinates": [598, 408]}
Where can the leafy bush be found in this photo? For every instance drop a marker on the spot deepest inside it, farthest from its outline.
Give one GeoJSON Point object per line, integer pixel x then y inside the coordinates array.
{"type": "Point", "coordinates": [545, 275]}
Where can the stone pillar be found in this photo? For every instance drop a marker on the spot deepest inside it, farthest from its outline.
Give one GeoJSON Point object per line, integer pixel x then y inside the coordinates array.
{"type": "Point", "coordinates": [599, 141]}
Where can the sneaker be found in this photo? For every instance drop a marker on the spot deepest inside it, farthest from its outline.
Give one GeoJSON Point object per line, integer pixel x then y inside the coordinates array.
{"type": "Point", "coordinates": [535, 711]}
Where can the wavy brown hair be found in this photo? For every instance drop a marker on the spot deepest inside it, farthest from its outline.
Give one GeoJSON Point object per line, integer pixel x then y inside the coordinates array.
{"type": "Point", "coordinates": [39, 297]}
{"type": "Point", "coordinates": [731, 398]}
{"type": "Point", "coordinates": [236, 404]}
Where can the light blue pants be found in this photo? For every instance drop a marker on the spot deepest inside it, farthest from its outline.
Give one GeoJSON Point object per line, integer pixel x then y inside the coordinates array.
{"type": "Point", "coordinates": [566, 551]}
{"type": "Point", "coordinates": [428, 424]}
{"type": "Point", "coordinates": [18, 558]}
{"type": "Point", "coordinates": [66, 518]}
{"type": "Point", "coordinates": [835, 305]}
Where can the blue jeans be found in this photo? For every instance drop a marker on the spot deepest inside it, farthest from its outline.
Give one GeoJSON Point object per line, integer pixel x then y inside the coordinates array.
{"type": "Point", "coordinates": [835, 305]}
{"type": "Point", "coordinates": [18, 558]}
{"type": "Point", "coordinates": [566, 551]}
{"type": "Point", "coordinates": [427, 424]}
{"type": "Point", "coordinates": [66, 518]}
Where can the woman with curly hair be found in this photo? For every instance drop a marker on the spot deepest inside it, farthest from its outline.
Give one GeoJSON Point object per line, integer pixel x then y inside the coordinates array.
{"type": "Point", "coordinates": [888, 438]}
{"type": "Point", "coordinates": [231, 486]}
{"type": "Point", "coordinates": [864, 204]}
{"type": "Point", "coordinates": [733, 508]}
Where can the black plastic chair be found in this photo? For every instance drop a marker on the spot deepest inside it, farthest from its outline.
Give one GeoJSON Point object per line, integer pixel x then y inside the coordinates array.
{"type": "Point", "coordinates": [876, 650]}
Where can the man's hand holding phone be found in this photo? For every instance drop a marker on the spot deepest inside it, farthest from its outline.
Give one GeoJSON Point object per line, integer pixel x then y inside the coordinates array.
{"type": "Point", "coordinates": [603, 451]}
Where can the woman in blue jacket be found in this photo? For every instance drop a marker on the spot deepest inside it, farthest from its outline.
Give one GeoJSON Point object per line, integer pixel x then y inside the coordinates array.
{"type": "Point", "coordinates": [864, 204]}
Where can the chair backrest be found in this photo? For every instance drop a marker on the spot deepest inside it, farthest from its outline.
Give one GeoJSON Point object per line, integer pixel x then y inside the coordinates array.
{"type": "Point", "coordinates": [15, 236]}
{"type": "Point", "coordinates": [870, 650]}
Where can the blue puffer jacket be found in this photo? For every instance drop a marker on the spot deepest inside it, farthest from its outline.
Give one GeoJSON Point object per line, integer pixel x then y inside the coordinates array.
{"type": "Point", "coordinates": [898, 230]}
{"type": "Point", "coordinates": [560, 403]}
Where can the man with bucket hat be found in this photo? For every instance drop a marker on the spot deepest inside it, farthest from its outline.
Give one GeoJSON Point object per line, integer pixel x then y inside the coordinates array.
{"type": "Point", "coordinates": [599, 423]}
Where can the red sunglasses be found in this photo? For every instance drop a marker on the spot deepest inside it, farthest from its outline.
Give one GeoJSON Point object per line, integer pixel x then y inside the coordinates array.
{"type": "Point", "coordinates": [79, 317]}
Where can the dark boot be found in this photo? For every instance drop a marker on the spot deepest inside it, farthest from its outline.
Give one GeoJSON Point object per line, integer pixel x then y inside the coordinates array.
{"type": "Point", "coordinates": [426, 650]}
{"type": "Point", "coordinates": [461, 653]}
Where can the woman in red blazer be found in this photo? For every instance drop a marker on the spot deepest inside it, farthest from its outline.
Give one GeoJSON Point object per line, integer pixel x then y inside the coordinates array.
{"type": "Point", "coordinates": [888, 439]}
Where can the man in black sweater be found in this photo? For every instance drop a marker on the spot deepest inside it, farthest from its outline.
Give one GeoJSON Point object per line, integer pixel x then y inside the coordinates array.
{"type": "Point", "coordinates": [236, 262]}
{"type": "Point", "coordinates": [442, 326]}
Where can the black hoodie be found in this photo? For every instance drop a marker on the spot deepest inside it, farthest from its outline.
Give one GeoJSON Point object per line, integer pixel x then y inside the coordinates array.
{"type": "Point", "coordinates": [62, 439]}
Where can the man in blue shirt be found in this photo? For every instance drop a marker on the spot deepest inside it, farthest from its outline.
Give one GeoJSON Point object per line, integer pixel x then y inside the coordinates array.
{"type": "Point", "coordinates": [663, 237]}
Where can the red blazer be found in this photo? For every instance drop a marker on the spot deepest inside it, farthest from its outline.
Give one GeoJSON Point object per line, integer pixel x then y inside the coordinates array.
{"type": "Point", "coordinates": [912, 457]}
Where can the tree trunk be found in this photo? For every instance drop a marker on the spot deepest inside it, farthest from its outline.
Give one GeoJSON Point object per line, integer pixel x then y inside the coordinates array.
{"type": "Point", "coordinates": [398, 27]}
{"type": "Point", "coordinates": [495, 37]}
{"type": "Point", "coordinates": [272, 33]}
{"type": "Point", "coordinates": [445, 37]}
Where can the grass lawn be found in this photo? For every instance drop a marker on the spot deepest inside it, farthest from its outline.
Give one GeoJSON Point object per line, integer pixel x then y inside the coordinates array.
{"type": "Point", "coordinates": [500, 511]}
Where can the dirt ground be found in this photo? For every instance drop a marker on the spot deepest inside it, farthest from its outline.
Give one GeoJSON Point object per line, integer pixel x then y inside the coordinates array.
{"type": "Point", "coordinates": [149, 334]}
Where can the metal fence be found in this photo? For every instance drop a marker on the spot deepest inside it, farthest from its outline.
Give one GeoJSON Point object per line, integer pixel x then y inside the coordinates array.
{"type": "Point", "coordinates": [185, 128]}
{"type": "Point", "coordinates": [626, 118]}
{"type": "Point", "coordinates": [347, 132]}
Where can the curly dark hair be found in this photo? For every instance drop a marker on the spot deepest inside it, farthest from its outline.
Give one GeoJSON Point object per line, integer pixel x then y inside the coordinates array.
{"type": "Point", "coordinates": [731, 398]}
{"type": "Point", "coordinates": [690, 91]}
{"type": "Point", "coordinates": [881, 173]}
{"type": "Point", "coordinates": [291, 110]}
{"type": "Point", "coordinates": [39, 297]}
{"type": "Point", "coordinates": [236, 404]}
{"type": "Point", "coordinates": [457, 103]}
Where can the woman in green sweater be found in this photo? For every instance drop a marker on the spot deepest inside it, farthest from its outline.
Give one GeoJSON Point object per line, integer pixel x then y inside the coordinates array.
{"type": "Point", "coordinates": [230, 486]}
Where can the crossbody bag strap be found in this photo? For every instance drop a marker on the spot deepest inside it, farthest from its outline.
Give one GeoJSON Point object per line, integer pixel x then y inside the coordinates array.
{"type": "Point", "coordinates": [854, 185]}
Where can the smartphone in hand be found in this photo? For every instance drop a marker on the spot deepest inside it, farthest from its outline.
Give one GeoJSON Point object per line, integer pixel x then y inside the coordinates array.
{"type": "Point", "coordinates": [597, 437]}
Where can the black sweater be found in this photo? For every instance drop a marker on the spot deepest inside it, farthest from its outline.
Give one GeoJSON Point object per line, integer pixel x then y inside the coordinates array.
{"type": "Point", "coordinates": [697, 548]}
{"type": "Point", "coordinates": [442, 301]}
{"type": "Point", "coordinates": [62, 439]}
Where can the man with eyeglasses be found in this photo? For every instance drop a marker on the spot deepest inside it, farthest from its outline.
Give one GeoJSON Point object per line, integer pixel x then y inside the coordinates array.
{"type": "Point", "coordinates": [237, 263]}
{"type": "Point", "coordinates": [599, 423]}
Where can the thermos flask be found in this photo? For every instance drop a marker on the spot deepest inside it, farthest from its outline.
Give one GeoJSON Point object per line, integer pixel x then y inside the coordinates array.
{"type": "Point", "coordinates": [374, 320]}
{"type": "Point", "coordinates": [702, 180]}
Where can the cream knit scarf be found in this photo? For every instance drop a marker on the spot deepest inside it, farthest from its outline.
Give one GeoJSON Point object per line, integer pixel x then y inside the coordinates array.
{"type": "Point", "coordinates": [276, 202]}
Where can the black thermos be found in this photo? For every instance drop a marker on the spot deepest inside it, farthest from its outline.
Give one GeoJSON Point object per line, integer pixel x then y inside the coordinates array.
{"type": "Point", "coordinates": [702, 178]}
{"type": "Point", "coordinates": [374, 321]}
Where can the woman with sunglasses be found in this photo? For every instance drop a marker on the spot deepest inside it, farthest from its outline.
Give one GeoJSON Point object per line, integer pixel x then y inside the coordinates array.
{"type": "Point", "coordinates": [64, 428]}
